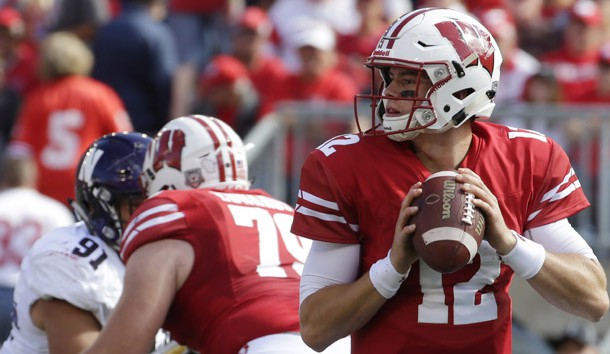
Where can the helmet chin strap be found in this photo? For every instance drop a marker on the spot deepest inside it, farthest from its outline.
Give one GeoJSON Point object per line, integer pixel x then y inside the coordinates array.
{"type": "Point", "coordinates": [393, 123]}
{"type": "Point", "coordinates": [400, 137]}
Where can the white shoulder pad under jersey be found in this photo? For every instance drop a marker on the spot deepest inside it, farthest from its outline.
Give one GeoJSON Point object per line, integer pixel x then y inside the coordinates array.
{"type": "Point", "coordinates": [69, 264]}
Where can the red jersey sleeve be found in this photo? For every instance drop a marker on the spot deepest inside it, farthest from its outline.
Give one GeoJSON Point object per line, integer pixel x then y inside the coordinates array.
{"type": "Point", "coordinates": [557, 193]}
{"type": "Point", "coordinates": [322, 211]}
{"type": "Point", "coordinates": [157, 218]}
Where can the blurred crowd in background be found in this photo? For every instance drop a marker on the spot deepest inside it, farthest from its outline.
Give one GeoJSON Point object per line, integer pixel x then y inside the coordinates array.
{"type": "Point", "coordinates": [238, 59]}
{"type": "Point", "coordinates": [73, 70]}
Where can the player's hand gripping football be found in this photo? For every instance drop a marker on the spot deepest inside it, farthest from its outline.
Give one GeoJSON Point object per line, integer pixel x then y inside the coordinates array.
{"type": "Point", "coordinates": [497, 233]}
{"type": "Point", "coordinates": [403, 253]}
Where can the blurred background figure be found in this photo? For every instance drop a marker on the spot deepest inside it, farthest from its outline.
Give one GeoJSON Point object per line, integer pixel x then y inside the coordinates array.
{"type": "Point", "coordinates": [340, 15]}
{"type": "Point", "coordinates": [252, 45]}
{"type": "Point", "coordinates": [525, 341]}
{"type": "Point", "coordinates": [81, 17]}
{"type": "Point", "coordinates": [35, 15]}
{"type": "Point", "coordinates": [18, 56]}
{"type": "Point", "coordinates": [201, 30]}
{"type": "Point", "coordinates": [542, 87]}
{"type": "Point", "coordinates": [584, 140]}
{"type": "Point", "coordinates": [9, 106]}
{"type": "Point", "coordinates": [578, 338]}
{"type": "Point", "coordinates": [25, 215]}
{"type": "Point", "coordinates": [458, 5]}
{"type": "Point", "coordinates": [135, 54]}
{"type": "Point", "coordinates": [317, 79]}
{"type": "Point", "coordinates": [575, 63]}
{"type": "Point", "coordinates": [355, 47]}
{"type": "Point", "coordinates": [226, 92]}
{"type": "Point", "coordinates": [536, 32]}
{"type": "Point", "coordinates": [64, 115]}
{"type": "Point", "coordinates": [600, 93]}
{"type": "Point", "coordinates": [517, 65]}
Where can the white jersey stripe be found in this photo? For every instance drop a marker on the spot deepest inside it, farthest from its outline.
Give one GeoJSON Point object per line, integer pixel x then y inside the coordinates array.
{"type": "Point", "coordinates": [150, 223]}
{"type": "Point", "coordinates": [554, 193]}
{"type": "Point", "coordinates": [158, 209]}
{"type": "Point", "coordinates": [564, 193]}
{"type": "Point", "coordinates": [551, 194]}
{"type": "Point", "coordinates": [324, 216]}
{"type": "Point", "coordinates": [318, 201]}
{"type": "Point", "coordinates": [533, 215]}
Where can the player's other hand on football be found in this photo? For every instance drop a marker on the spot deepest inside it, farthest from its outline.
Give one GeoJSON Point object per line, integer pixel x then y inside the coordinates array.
{"type": "Point", "coordinates": [496, 232]}
{"type": "Point", "coordinates": [403, 253]}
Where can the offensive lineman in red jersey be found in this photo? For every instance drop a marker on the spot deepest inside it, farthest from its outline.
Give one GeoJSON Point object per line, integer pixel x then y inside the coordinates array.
{"type": "Point", "coordinates": [207, 259]}
{"type": "Point", "coordinates": [440, 71]}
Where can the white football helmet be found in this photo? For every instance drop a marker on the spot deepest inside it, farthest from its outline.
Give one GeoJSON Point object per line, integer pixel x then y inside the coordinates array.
{"type": "Point", "coordinates": [194, 152]}
{"type": "Point", "coordinates": [455, 51]}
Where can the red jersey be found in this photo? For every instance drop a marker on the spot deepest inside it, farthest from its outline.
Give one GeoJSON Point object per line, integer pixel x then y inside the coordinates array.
{"type": "Point", "coordinates": [245, 279]}
{"type": "Point", "coordinates": [267, 78]}
{"type": "Point", "coordinates": [576, 75]}
{"type": "Point", "coordinates": [57, 123]}
{"type": "Point", "coordinates": [333, 86]}
{"type": "Point", "coordinates": [198, 7]}
{"type": "Point", "coordinates": [351, 191]}
{"type": "Point", "coordinates": [20, 73]}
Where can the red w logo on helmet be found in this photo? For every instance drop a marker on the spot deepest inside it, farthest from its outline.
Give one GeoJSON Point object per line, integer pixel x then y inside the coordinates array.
{"type": "Point", "coordinates": [470, 42]}
{"type": "Point", "coordinates": [169, 150]}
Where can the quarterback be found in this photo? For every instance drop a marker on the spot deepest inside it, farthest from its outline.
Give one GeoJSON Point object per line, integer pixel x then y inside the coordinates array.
{"type": "Point", "coordinates": [440, 74]}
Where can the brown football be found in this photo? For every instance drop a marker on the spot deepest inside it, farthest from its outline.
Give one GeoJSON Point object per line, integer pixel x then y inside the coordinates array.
{"type": "Point", "coordinates": [449, 229]}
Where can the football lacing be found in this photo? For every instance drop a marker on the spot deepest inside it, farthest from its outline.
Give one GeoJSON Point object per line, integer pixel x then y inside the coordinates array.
{"type": "Point", "coordinates": [468, 215]}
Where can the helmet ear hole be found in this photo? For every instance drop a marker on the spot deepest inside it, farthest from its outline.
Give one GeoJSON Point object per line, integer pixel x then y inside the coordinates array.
{"type": "Point", "coordinates": [462, 94]}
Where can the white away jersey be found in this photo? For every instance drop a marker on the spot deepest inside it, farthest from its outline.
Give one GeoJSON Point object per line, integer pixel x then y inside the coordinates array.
{"type": "Point", "coordinates": [69, 264]}
{"type": "Point", "coordinates": [25, 215]}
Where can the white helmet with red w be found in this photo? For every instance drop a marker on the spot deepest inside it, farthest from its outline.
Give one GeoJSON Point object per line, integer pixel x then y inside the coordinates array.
{"type": "Point", "coordinates": [194, 152]}
{"type": "Point", "coordinates": [459, 56]}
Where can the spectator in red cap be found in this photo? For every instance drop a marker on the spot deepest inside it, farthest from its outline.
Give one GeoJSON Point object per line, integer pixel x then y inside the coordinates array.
{"type": "Point", "coordinates": [317, 78]}
{"type": "Point", "coordinates": [575, 63]}
{"type": "Point", "coordinates": [226, 92]}
{"type": "Point", "coordinates": [19, 59]}
{"type": "Point", "coordinates": [251, 36]}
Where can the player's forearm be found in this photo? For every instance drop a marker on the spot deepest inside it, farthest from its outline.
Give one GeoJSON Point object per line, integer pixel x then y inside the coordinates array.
{"type": "Point", "coordinates": [122, 336]}
{"type": "Point", "coordinates": [338, 310]}
{"type": "Point", "coordinates": [573, 283]}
